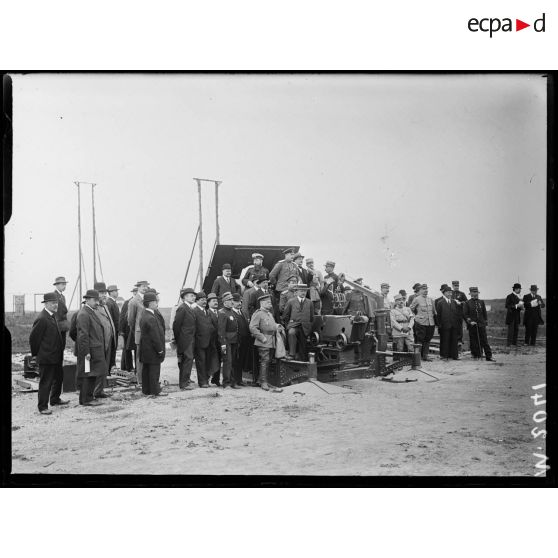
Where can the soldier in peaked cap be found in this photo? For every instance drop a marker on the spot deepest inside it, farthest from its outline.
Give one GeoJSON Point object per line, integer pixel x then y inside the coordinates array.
{"type": "Point", "coordinates": [425, 319]}
{"type": "Point", "coordinates": [47, 348]}
{"type": "Point", "coordinates": [474, 312]}
{"type": "Point", "coordinates": [329, 287]}
{"type": "Point", "coordinates": [184, 331]}
{"type": "Point", "coordinates": [227, 329]}
{"type": "Point", "coordinates": [135, 310]}
{"type": "Point", "coordinates": [213, 312]}
{"type": "Point", "coordinates": [255, 270]}
{"type": "Point", "coordinates": [514, 305]}
{"type": "Point", "coordinates": [532, 318]}
{"type": "Point", "coordinates": [279, 276]}
{"type": "Point", "coordinates": [402, 321]}
{"type": "Point", "coordinates": [244, 361]}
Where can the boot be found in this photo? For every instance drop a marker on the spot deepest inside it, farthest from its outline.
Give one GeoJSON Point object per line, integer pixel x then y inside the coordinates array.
{"type": "Point", "coordinates": [425, 349]}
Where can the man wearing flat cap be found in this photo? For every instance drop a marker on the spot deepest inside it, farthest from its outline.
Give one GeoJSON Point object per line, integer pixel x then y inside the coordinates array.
{"type": "Point", "coordinates": [315, 285]}
{"type": "Point", "coordinates": [127, 360]}
{"type": "Point", "coordinates": [60, 284]}
{"type": "Point", "coordinates": [255, 270]}
{"type": "Point", "coordinates": [92, 349]}
{"type": "Point", "coordinates": [279, 276]}
{"type": "Point", "coordinates": [227, 330]}
{"type": "Point", "coordinates": [449, 319]}
{"type": "Point", "coordinates": [425, 319]}
{"type": "Point", "coordinates": [109, 337]}
{"type": "Point", "coordinates": [532, 317]}
{"type": "Point", "coordinates": [298, 318]}
{"type": "Point", "coordinates": [474, 312]}
{"type": "Point", "coordinates": [47, 349]}
{"type": "Point", "coordinates": [384, 291]}
{"type": "Point", "coordinates": [114, 311]}
{"type": "Point", "coordinates": [184, 331]}
{"type": "Point", "coordinates": [402, 321]}
{"type": "Point", "coordinates": [514, 305]}
{"type": "Point", "coordinates": [135, 310]}
{"type": "Point", "coordinates": [225, 284]}
{"type": "Point", "coordinates": [152, 346]}
{"type": "Point", "coordinates": [329, 287]}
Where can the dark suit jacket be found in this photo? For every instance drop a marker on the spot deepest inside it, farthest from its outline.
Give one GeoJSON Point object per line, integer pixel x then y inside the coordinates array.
{"type": "Point", "coordinates": [90, 341]}
{"type": "Point", "coordinates": [62, 312]}
{"type": "Point", "coordinates": [205, 329]}
{"type": "Point", "coordinates": [46, 340]}
{"type": "Point", "coordinates": [475, 311]}
{"type": "Point", "coordinates": [532, 315]}
{"type": "Point", "coordinates": [295, 314]}
{"type": "Point", "coordinates": [114, 312]}
{"type": "Point", "coordinates": [513, 314]}
{"type": "Point", "coordinates": [123, 326]}
{"type": "Point", "coordinates": [448, 315]}
{"type": "Point", "coordinates": [221, 286]}
{"type": "Point", "coordinates": [227, 327]}
{"type": "Point", "coordinates": [254, 304]}
{"type": "Point", "coordinates": [243, 326]}
{"type": "Point", "coordinates": [152, 340]}
{"type": "Point", "coordinates": [184, 327]}
{"type": "Point", "coordinates": [252, 272]}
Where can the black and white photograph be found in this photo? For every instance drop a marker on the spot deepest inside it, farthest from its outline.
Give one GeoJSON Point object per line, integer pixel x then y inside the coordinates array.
{"type": "Point", "coordinates": [278, 274]}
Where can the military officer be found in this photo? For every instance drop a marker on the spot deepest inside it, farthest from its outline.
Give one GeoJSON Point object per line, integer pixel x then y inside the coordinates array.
{"type": "Point", "coordinates": [532, 317]}
{"type": "Point", "coordinates": [244, 361]}
{"type": "Point", "coordinates": [330, 286]}
{"type": "Point", "coordinates": [474, 313]}
{"type": "Point", "coordinates": [288, 293]}
{"type": "Point", "coordinates": [263, 327]}
{"type": "Point", "coordinates": [402, 321]}
{"type": "Point", "coordinates": [356, 301]}
{"type": "Point", "coordinates": [514, 306]}
{"type": "Point", "coordinates": [254, 270]}
{"type": "Point", "coordinates": [425, 319]}
{"type": "Point", "coordinates": [280, 274]}
{"type": "Point", "coordinates": [227, 329]}
{"type": "Point", "coordinates": [416, 289]}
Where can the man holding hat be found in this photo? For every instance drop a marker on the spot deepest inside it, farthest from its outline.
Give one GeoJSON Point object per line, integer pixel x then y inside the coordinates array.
{"type": "Point", "coordinates": [47, 349]}
{"type": "Point", "coordinates": [109, 336]}
{"type": "Point", "coordinates": [402, 321]}
{"type": "Point", "coordinates": [474, 312]}
{"type": "Point", "coordinates": [127, 360]}
{"type": "Point", "coordinates": [225, 283]}
{"type": "Point", "coordinates": [254, 270]}
{"type": "Point", "coordinates": [92, 353]}
{"type": "Point", "coordinates": [532, 318]}
{"type": "Point", "coordinates": [184, 331]}
{"type": "Point", "coordinates": [315, 285]}
{"type": "Point", "coordinates": [62, 312]}
{"type": "Point", "coordinates": [298, 318]}
{"type": "Point", "coordinates": [329, 287]}
{"type": "Point", "coordinates": [263, 327]}
{"type": "Point", "coordinates": [135, 310]}
{"type": "Point", "coordinates": [227, 330]}
{"type": "Point", "coordinates": [279, 276]}
{"type": "Point", "coordinates": [416, 289]}
{"type": "Point", "coordinates": [449, 322]}
{"type": "Point", "coordinates": [114, 311]}
{"type": "Point", "coordinates": [425, 319]}
{"type": "Point", "coordinates": [514, 305]}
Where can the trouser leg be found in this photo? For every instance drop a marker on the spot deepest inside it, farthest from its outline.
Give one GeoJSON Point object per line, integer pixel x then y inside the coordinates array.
{"type": "Point", "coordinates": [86, 389]}
{"type": "Point", "coordinates": [153, 377]}
{"type": "Point", "coordinates": [264, 357]}
{"type": "Point", "coordinates": [474, 333]}
{"type": "Point", "coordinates": [444, 342]}
{"type": "Point", "coordinates": [292, 335]}
{"type": "Point", "coordinates": [453, 343]}
{"type": "Point", "coordinates": [510, 333]}
{"type": "Point", "coordinates": [484, 343]}
{"type": "Point", "coordinates": [101, 380]}
{"type": "Point", "coordinates": [138, 366]}
{"type": "Point", "coordinates": [201, 366]}
{"type": "Point", "coordinates": [57, 380]}
{"type": "Point", "coordinates": [145, 386]}
{"type": "Point", "coordinates": [240, 364]}
{"type": "Point", "coordinates": [46, 379]}
{"type": "Point", "coordinates": [112, 361]}
{"type": "Point", "coordinates": [534, 331]}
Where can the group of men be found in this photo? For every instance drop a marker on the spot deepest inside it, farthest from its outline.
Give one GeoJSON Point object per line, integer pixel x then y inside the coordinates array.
{"type": "Point", "coordinates": [240, 324]}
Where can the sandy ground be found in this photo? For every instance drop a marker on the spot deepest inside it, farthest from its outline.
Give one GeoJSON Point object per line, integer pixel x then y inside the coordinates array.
{"type": "Point", "coordinates": [476, 420]}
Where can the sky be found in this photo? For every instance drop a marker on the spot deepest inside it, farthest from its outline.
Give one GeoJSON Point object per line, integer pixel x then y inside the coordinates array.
{"type": "Point", "coordinates": [397, 178]}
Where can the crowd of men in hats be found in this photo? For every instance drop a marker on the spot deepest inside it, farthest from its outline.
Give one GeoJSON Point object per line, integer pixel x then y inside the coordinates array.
{"type": "Point", "coordinates": [242, 324]}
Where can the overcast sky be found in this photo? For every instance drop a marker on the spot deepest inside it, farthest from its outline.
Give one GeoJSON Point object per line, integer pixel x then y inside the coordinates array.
{"type": "Point", "coordinates": [398, 178]}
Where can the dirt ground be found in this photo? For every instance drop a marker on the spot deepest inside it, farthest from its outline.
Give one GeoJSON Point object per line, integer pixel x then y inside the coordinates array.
{"type": "Point", "coordinates": [476, 420]}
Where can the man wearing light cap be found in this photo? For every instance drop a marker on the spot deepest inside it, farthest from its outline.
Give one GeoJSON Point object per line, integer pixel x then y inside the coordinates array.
{"type": "Point", "coordinates": [425, 319]}
{"type": "Point", "coordinates": [225, 284]}
{"type": "Point", "coordinates": [402, 321]}
{"type": "Point", "coordinates": [514, 305]}
{"type": "Point", "coordinates": [255, 270]}
{"type": "Point", "coordinates": [135, 310]}
{"type": "Point", "coordinates": [60, 284]}
{"type": "Point", "coordinates": [532, 318]}
{"type": "Point", "coordinates": [329, 287]}
{"type": "Point", "coordinates": [298, 317]}
{"type": "Point", "coordinates": [184, 331]}
{"type": "Point", "coordinates": [384, 291]}
{"type": "Point", "coordinates": [315, 285]}
{"type": "Point", "coordinates": [416, 289]}
{"type": "Point", "coordinates": [279, 276]}
{"type": "Point", "coordinates": [47, 348]}
{"type": "Point", "coordinates": [474, 312]}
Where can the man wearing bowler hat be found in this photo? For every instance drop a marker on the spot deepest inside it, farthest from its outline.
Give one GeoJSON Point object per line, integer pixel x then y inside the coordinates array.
{"type": "Point", "coordinates": [62, 312]}
{"type": "Point", "coordinates": [127, 360]}
{"type": "Point", "coordinates": [114, 311]}
{"type": "Point", "coordinates": [47, 349]}
{"type": "Point", "coordinates": [225, 284]}
{"type": "Point", "coordinates": [205, 350]}
{"type": "Point", "coordinates": [184, 330]}
{"type": "Point", "coordinates": [152, 346]}
{"type": "Point", "coordinates": [514, 305]}
{"type": "Point", "coordinates": [212, 310]}
{"type": "Point", "coordinates": [460, 299]}
{"type": "Point", "coordinates": [449, 322]}
{"type": "Point", "coordinates": [532, 318]}
{"type": "Point", "coordinates": [92, 351]}
{"type": "Point", "coordinates": [109, 336]}
{"type": "Point", "coordinates": [135, 310]}
{"type": "Point", "coordinates": [298, 317]}
{"type": "Point", "coordinates": [227, 330]}
{"type": "Point", "coordinates": [474, 312]}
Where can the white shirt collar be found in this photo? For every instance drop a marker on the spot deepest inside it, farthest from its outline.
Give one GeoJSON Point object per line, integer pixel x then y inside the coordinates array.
{"type": "Point", "coordinates": [51, 313]}
{"type": "Point", "coordinates": [59, 292]}
{"type": "Point", "coordinates": [151, 310]}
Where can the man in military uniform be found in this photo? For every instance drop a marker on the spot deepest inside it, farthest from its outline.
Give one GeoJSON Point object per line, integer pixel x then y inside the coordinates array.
{"type": "Point", "coordinates": [298, 317]}
{"type": "Point", "coordinates": [460, 298]}
{"type": "Point", "coordinates": [514, 305]}
{"type": "Point", "coordinates": [474, 312]}
{"type": "Point", "coordinates": [532, 318]}
{"type": "Point", "coordinates": [288, 293]}
{"type": "Point", "coordinates": [280, 274]}
{"type": "Point", "coordinates": [402, 321]}
{"type": "Point", "coordinates": [254, 270]}
{"type": "Point", "coordinates": [356, 302]}
{"type": "Point", "coordinates": [315, 285]}
{"type": "Point", "coordinates": [330, 285]}
{"type": "Point", "coordinates": [227, 330]}
{"type": "Point", "coordinates": [205, 351]}
{"type": "Point", "coordinates": [425, 319]}
{"type": "Point", "coordinates": [384, 291]}
{"type": "Point", "coordinates": [416, 289]}
{"type": "Point", "coordinates": [263, 327]}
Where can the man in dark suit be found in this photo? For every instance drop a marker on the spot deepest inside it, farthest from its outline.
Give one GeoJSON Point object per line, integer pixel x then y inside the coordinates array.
{"type": "Point", "coordinates": [135, 310]}
{"type": "Point", "coordinates": [460, 298]}
{"type": "Point", "coordinates": [184, 330]}
{"type": "Point", "coordinates": [514, 305]}
{"type": "Point", "coordinates": [152, 346]}
{"type": "Point", "coordinates": [305, 276]}
{"type": "Point", "coordinates": [92, 351]}
{"type": "Point", "coordinates": [62, 312]}
{"type": "Point", "coordinates": [227, 329]}
{"type": "Point", "coordinates": [279, 276]}
{"type": "Point", "coordinates": [244, 361]}
{"type": "Point", "coordinates": [205, 352]}
{"type": "Point", "coordinates": [449, 322]}
{"type": "Point", "coordinates": [47, 348]}
{"type": "Point", "coordinates": [212, 305]}
{"type": "Point", "coordinates": [474, 312]}
{"type": "Point", "coordinates": [127, 360]}
{"type": "Point", "coordinates": [225, 284]}
{"type": "Point", "coordinates": [298, 317]}
{"type": "Point", "coordinates": [532, 318]}
{"type": "Point", "coordinates": [114, 311]}
{"type": "Point", "coordinates": [111, 340]}
{"type": "Point", "coordinates": [262, 288]}
{"type": "Point", "coordinates": [329, 287]}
